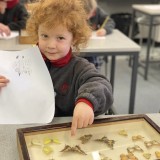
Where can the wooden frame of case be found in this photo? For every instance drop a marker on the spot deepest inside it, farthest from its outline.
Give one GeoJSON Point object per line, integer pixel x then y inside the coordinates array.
{"type": "Point", "coordinates": [65, 127]}
{"type": "Point", "coordinates": [24, 38]}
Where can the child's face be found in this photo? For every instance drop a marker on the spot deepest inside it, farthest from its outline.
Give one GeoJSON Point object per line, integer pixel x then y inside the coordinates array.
{"type": "Point", "coordinates": [54, 43]}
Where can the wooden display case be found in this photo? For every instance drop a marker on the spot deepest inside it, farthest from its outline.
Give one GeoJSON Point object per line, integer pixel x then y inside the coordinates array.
{"type": "Point", "coordinates": [133, 137]}
{"type": "Point", "coordinates": [24, 38]}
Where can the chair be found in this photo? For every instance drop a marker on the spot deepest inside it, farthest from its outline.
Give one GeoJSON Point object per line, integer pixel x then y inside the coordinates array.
{"type": "Point", "coordinates": [145, 21]}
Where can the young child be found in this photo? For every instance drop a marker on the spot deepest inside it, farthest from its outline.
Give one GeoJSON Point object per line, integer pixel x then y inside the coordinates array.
{"type": "Point", "coordinates": [13, 16]}
{"type": "Point", "coordinates": [100, 22]}
{"type": "Point", "coordinates": [60, 27]}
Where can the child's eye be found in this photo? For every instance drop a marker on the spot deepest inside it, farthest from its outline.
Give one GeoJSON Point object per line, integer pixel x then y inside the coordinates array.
{"type": "Point", "coordinates": [44, 36]}
{"type": "Point", "coordinates": [60, 38]}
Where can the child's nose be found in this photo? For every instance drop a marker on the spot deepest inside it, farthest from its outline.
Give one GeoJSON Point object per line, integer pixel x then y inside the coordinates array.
{"type": "Point", "coordinates": [52, 44]}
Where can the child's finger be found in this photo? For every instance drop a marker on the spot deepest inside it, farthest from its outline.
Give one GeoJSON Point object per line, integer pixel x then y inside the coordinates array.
{"type": "Point", "coordinates": [2, 85]}
{"type": "Point", "coordinates": [2, 77]}
{"type": "Point", "coordinates": [74, 126]}
{"type": "Point", "coordinates": [91, 120]}
{"type": "Point", "coordinates": [4, 80]}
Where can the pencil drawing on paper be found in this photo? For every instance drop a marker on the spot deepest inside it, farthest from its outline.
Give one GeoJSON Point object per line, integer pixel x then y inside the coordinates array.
{"type": "Point", "coordinates": [21, 65]}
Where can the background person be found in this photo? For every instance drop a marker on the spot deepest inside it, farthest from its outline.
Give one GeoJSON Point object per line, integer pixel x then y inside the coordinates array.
{"type": "Point", "coordinates": [13, 16]}
{"type": "Point", "coordinates": [100, 22]}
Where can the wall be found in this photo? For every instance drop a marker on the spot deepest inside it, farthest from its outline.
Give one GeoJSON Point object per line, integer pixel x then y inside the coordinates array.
{"type": "Point", "coordinates": [116, 6]}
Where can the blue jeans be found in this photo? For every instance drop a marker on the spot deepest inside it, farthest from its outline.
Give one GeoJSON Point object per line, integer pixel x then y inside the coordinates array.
{"type": "Point", "coordinates": [96, 60]}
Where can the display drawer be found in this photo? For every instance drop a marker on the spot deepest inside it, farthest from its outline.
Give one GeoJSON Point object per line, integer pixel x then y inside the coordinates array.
{"type": "Point", "coordinates": [134, 137]}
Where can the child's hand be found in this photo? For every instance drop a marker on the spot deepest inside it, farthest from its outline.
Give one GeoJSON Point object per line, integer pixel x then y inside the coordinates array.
{"type": "Point", "coordinates": [82, 117]}
{"type": "Point", "coordinates": [3, 81]}
{"type": "Point", "coordinates": [4, 30]}
{"type": "Point", "coordinates": [101, 32]}
{"type": "Point", "coordinates": [3, 6]}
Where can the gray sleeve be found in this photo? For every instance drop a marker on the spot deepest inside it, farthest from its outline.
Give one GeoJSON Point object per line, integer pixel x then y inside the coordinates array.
{"type": "Point", "coordinates": [94, 87]}
{"type": "Point", "coordinates": [21, 16]}
{"type": "Point", "coordinates": [110, 25]}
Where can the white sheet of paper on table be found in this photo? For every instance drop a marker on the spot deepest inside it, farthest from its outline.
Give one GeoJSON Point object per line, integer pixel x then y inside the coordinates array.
{"type": "Point", "coordinates": [153, 7]}
{"type": "Point", "coordinates": [94, 36]}
{"type": "Point", "coordinates": [12, 35]}
{"type": "Point", "coordinates": [29, 96]}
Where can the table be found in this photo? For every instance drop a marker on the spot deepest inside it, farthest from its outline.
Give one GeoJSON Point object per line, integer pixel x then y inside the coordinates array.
{"type": "Point", "coordinates": [8, 144]}
{"type": "Point", "coordinates": [152, 11]}
{"type": "Point", "coordinates": [115, 44]}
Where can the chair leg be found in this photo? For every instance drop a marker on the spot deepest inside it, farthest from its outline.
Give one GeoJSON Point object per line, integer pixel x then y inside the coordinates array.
{"type": "Point", "coordinates": [111, 111]}
{"type": "Point", "coordinates": [141, 41]}
{"type": "Point", "coordinates": [153, 41]}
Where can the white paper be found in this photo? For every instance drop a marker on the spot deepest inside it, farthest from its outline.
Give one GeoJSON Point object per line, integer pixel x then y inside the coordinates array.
{"type": "Point", "coordinates": [29, 96]}
{"type": "Point", "coordinates": [94, 36]}
{"type": "Point", "coordinates": [12, 35]}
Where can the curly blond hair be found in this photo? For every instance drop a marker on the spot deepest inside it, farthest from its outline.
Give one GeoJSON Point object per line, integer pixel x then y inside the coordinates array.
{"type": "Point", "coordinates": [69, 13]}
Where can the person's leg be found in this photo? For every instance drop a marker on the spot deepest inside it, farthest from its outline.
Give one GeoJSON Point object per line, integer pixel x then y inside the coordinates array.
{"type": "Point", "coordinates": [92, 59]}
{"type": "Point", "coordinates": [99, 62]}
{"type": "Point", "coordinates": [96, 60]}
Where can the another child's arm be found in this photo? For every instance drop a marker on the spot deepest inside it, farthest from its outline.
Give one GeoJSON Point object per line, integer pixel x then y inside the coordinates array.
{"type": "Point", "coordinates": [94, 95]}
{"type": "Point", "coordinates": [4, 29]}
{"type": "Point", "coordinates": [3, 81]}
{"type": "Point", "coordinates": [82, 117]}
{"type": "Point", "coordinates": [109, 24]}
{"type": "Point", "coordinates": [21, 18]}
{"type": "Point", "coordinates": [3, 6]}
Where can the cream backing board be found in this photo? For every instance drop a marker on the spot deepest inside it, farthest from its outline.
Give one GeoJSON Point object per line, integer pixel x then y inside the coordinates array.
{"type": "Point", "coordinates": [93, 148]}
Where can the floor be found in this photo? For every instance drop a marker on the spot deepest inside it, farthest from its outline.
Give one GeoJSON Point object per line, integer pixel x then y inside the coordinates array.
{"type": "Point", "coordinates": [147, 92]}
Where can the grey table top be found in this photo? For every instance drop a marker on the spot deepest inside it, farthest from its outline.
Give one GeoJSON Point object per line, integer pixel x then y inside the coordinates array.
{"type": "Point", "coordinates": [150, 9]}
{"type": "Point", "coordinates": [8, 139]}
